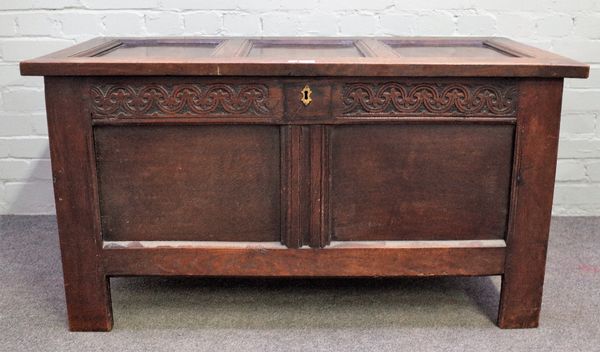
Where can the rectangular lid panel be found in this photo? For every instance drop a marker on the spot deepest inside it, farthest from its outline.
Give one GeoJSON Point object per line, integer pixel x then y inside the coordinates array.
{"type": "Point", "coordinates": [303, 49]}
{"type": "Point", "coordinates": [160, 49]}
{"type": "Point", "coordinates": [460, 48]}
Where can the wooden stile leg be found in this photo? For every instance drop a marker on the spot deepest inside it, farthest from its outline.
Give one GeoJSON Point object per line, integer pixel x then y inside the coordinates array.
{"type": "Point", "coordinates": [88, 302]}
{"type": "Point", "coordinates": [533, 179]}
{"type": "Point", "coordinates": [74, 175]}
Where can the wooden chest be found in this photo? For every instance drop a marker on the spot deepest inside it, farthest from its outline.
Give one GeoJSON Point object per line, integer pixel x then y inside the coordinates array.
{"type": "Point", "coordinates": [303, 157]}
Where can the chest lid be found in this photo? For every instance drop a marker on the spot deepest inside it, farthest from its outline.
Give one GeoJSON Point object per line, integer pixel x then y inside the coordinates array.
{"type": "Point", "coordinates": [305, 56]}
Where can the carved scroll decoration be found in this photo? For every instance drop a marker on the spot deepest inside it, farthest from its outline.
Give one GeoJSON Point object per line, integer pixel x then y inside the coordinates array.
{"type": "Point", "coordinates": [180, 100]}
{"type": "Point", "coordinates": [429, 99]}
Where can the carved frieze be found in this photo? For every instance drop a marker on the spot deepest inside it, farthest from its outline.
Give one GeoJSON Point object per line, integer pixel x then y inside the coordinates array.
{"type": "Point", "coordinates": [429, 99]}
{"type": "Point", "coordinates": [181, 100]}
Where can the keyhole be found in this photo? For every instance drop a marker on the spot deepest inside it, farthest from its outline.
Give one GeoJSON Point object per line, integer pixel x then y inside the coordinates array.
{"type": "Point", "coordinates": [305, 96]}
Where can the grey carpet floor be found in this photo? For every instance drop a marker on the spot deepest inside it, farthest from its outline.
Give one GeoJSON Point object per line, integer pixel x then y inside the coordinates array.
{"type": "Point", "coordinates": [195, 314]}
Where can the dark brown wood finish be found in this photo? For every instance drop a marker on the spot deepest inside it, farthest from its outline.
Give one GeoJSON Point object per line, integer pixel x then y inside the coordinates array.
{"type": "Point", "coordinates": [386, 179]}
{"type": "Point", "coordinates": [295, 186]}
{"type": "Point", "coordinates": [197, 183]}
{"type": "Point", "coordinates": [533, 184]}
{"type": "Point", "coordinates": [524, 61]}
{"type": "Point", "coordinates": [461, 258]}
{"type": "Point", "coordinates": [75, 190]}
{"type": "Point", "coordinates": [202, 156]}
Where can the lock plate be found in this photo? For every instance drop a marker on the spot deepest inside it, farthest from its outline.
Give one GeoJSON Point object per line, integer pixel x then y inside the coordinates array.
{"type": "Point", "coordinates": [306, 93]}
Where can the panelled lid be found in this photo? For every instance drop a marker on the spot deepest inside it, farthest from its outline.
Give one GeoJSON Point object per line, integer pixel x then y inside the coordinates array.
{"type": "Point", "coordinates": [305, 56]}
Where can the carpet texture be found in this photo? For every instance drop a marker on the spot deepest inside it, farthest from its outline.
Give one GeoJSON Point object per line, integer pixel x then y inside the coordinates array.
{"type": "Point", "coordinates": [196, 314]}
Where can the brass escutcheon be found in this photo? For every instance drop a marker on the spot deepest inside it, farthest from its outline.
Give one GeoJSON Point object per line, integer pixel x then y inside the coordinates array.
{"type": "Point", "coordinates": [305, 95]}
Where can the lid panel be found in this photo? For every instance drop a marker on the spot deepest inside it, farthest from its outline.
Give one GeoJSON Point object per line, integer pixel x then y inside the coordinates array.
{"type": "Point", "coordinates": [452, 51]}
{"type": "Point", "coordinates": [303, 50]}
{"type": "Point", "coordinates": [160, 49]}
{"type": "Point", "coordinates": [458, 49]}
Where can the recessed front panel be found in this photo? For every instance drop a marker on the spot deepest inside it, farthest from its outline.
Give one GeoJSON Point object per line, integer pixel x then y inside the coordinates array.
{"type": "Point", "coordinates": [420, 182]}
{"type": "Point", "coordinates": [202, 183]}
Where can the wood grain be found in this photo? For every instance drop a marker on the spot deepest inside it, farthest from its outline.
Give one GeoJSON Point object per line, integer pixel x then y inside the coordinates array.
{"type": "Point", "coordinates": [189, 182]}
{"type": "Point", "coordinates": [533, 184]}
{"type": "Point", "coordinates": [75, 191]}
{"type": "Point", "coordinates": [387, 179]}
{"type": "Point", "coordinates": [231, 59]}
{"type": "Point", "coordinates": [269, 260]}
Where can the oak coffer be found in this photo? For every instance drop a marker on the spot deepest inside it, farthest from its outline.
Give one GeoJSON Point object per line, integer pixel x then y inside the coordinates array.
{"type": "Point", "coordinates": [308, 157]}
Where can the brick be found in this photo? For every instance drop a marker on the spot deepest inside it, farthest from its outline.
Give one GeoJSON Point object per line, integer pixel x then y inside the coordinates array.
{"type": "Point", "coordinates": [23, 99]}
{"type": "Point", "coordinates": [11, 76]}
{"type": "Point", "coordinates": [8, 25]}
{"type": "Point", "coordinates": [27, 147]}
{"type": "Point", "coordinates": [435, 24]}
{"type": "Point", "coordinates": [398, 24]}
{"type": "Point", "coordinates": [293, 5]}
{"type": "Point", "coordinates": [515, 26]}
{"type": "Point", "coordinates": [593, 170]}
{"type": "Point", "coordinates": [319, 24]}
{"type": "Point", "coordinates": [511, 5]}
{"type": "Point", "coordinates": [577, 194]}
{"type": "Point", "coordinates": [203, 23]}
{"type": "Point", "coordinates": [39, 23]}
{"type": "Point", "coordinates": [25, 169]}
{"type": "Point", "coordinates": [573, 6]}
{"type": "Point", "coordinates": [424, 5]}
{"type": "Point", "coordinates": [29, 197]}
{"type": "Point", "coordinates": [55, 4]}
{"type": "Point", "coordinates": [581, 100]}
{"type": "Point", "coordinates": [16, 4]}
{"type": "Point", "coordinates": [369, 25]}
{"type": "Point", "coordinates": [3, 149]}
{"type": "Point", "coordinates": [579, 148]}
{"type": "Point", "coordinates": [351, 4]}
{"type": "Point", "coordinates": [20, 124]}
{"type": "Point", "coordinates": [15, 126]}
{"type": "Point", "coordinates": [37, 4]}
{"type": "Point", "coordinates": [39, 124]}
{"type": "Point", "coordinates": [123, 23]}
{"type": "Point", "coordinates": [576, 210]}
{"type": "Point", "coordinates": [570, 170]}
{"type": "Point", "coordinates": [164, 23]}
{"type": "Point", "coordinates": [578, 49]}
{"type": "Point", "coordinates": [204, 5]}
{"type": "Point", "coordinates": [280, 24]}
{"type": "Point", "coordinates": [476, 25]}
{"type": "Point", "coordinates": [120, 5]}
{"type": "Point", "coordinates": [21, 49]}
{"type": "Point", "coordinates": [241, 24]}
{"type": "Point", "coordinates": [554, 26]}
{"type": "Point", "coordinates": [588, 26]}
{"type": "Point", "coordinates": [77, 24]}
{"type": "Point", "coordinates": [577, 124]}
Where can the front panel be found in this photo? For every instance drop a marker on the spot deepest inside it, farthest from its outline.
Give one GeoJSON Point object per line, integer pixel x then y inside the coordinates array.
{"type": "Point", "coordinates": [201, 183]}
{"type": "Point", "coordinates": [420, 181]}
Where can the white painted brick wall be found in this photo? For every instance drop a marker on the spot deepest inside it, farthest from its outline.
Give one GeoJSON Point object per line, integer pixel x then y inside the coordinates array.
{"type": "Point", "coordinates": [30, 28]}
